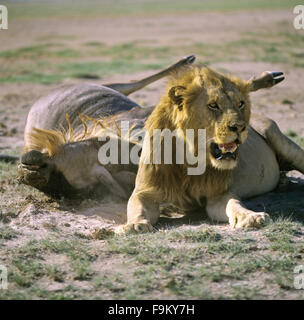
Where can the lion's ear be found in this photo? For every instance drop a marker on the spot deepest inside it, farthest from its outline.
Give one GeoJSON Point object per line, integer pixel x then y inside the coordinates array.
{"type": "Point", "coordinates": [176, 95]}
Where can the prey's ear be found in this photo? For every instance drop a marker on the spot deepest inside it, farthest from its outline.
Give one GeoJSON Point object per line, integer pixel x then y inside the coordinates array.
{"type": "Point", "coordinates": [176, 95]}
{"type": "Point", "coordinates": [267, 79]}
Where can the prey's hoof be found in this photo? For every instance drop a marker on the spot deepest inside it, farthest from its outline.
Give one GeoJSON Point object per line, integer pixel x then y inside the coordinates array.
{"type": "Point", "coordinates": [271, 78]}
{"type": "Point", "coordinates": [250, 220]}
{"type": "Point", "coordinates": [143, 226]}
{"type": "Point", "coordinates": [189, 59]}
{"type": "Point", "coordinates": [276, 76]}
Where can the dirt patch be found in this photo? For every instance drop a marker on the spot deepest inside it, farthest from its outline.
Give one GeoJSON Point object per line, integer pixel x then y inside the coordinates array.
{"type": "Point", "coordinates": [66, 249]}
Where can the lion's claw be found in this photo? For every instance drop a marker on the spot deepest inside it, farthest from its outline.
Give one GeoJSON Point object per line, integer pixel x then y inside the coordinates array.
{"type": "Point", "coordinates": [138, 227]}
{"type": "Point", "coordinates": [250, 220]}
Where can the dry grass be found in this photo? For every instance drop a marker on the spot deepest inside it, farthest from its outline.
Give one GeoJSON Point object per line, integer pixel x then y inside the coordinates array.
{"type": "Point", "coordinates": [54, 252]}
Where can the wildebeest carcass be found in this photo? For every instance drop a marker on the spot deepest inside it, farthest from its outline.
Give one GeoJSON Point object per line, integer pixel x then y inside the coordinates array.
{"type": "Point", "coordinates": [61, 138]}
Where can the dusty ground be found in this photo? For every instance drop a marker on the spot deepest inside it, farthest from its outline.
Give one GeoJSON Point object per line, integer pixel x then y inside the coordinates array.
{"type": "Point", "coordinates": [58, 249]}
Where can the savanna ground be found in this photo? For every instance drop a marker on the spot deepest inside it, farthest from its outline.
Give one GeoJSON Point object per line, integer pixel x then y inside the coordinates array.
{"type": "Point", "coordinates": [57, 249]}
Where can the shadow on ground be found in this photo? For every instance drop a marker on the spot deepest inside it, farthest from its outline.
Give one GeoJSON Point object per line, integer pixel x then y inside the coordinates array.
{"type": "Point", "coordinates": [285, 201]}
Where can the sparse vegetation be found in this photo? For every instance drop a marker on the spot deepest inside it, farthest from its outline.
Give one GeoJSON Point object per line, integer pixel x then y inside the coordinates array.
{"type": "Point", "coordinates": [193, 259]}
{"type": "Point", "coordinates": [172, 263]}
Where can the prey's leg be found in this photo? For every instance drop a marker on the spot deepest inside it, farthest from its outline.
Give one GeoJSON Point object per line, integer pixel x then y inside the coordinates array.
{"type": "Point", "coordinates": [287, 150]}
{"type": "Point", "coordinates": [128, 88]}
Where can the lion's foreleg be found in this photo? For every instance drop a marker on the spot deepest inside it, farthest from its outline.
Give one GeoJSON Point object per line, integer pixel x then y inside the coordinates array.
{"type": "Point", "coordinates": [142, 213]}
{"type": "Point", "coordinates": [228, 208]}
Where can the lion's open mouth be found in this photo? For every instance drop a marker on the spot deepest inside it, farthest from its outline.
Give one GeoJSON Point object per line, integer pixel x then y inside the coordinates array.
{"type": "Point", "coordinates": [225, 150]}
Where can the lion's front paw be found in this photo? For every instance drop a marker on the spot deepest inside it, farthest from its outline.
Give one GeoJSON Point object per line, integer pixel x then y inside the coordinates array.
{"type": "Point", "coordinates": [250, 220]}
{"type": "Point", "coordinates": [136, 227]}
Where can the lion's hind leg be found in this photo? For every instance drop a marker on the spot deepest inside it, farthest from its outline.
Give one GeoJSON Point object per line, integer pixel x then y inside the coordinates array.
{"type": "Point", "coordinates": [290, 155]}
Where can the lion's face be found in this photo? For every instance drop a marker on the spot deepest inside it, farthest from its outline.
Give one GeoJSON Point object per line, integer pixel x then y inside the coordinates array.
{"type": "Point", "coordinates": [218, 104]}
{"type": "Point", "coordinates": [224, 112]}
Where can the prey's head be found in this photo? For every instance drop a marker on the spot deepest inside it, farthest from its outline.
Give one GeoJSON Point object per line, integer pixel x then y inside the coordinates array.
{"type": "Point", "coordinates": [59, 167]}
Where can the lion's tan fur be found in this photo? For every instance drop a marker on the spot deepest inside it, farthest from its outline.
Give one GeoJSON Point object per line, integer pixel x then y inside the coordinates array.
{"type": "Point", "coordinates": [171, 181]}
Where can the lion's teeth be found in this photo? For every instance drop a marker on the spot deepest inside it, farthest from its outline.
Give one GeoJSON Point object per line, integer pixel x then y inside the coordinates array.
{"type": "Point", "coordinates": [229, 147]}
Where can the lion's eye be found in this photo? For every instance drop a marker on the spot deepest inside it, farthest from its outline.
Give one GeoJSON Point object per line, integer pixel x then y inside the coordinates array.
{"type": "Point", "coordinates": [213, 106]}
{"type": "Point", "coordinates": [242, 104]}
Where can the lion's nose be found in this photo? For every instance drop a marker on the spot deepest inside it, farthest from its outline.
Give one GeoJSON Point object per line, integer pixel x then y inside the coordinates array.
{"type": "Point", "coordinates": [237, 127]}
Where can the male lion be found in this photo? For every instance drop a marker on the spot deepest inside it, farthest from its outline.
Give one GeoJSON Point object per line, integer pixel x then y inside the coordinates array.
{"type": "Point", "coordinates": [242, 159]}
